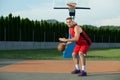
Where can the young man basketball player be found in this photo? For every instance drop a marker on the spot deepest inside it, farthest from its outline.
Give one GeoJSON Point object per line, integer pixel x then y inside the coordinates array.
{"type": "Point", "coordinates": [83, 44]}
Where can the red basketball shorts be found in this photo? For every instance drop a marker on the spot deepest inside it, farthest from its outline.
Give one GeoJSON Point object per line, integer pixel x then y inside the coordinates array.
{"type": "Point", "coordinates": [81, 48]}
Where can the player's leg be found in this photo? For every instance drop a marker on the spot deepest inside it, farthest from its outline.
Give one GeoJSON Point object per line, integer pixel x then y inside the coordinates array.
{"type": "Point", "coordinates": [76, 63]}
{"type": "Point", "coordinates": [83, 64]}
{"type": "Point", "coordinates": [76, 60]}
{"type": "Point", "coordinates": [82, 54]}
{"type": "Point", "coordinates": [82, 59]}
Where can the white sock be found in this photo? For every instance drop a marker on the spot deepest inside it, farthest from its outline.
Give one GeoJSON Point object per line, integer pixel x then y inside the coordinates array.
{"type": "Point", "coordinates": [77, 66]}
{"type": "Point", "coordinates": [83, 68]}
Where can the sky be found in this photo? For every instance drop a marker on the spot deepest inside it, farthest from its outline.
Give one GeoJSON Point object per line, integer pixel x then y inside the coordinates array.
{"type": "Point", "coordinates": [102, 12]}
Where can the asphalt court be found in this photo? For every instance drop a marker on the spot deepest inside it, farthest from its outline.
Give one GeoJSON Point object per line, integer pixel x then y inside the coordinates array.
{"type": "Point", "coordinates": [56, 76]}
{"type": "Point", "coordinates": [7, 62]}
{"type": "Point", "coordinates": [11, 75]}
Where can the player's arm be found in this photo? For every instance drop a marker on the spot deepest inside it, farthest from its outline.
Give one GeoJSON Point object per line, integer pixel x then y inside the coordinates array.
{"type": "Point", "coordinates": [77, 31]}
{"type": "Point", "coordinates": [63, 40]}
{"type": "Point", "coordinates": [68, 43]}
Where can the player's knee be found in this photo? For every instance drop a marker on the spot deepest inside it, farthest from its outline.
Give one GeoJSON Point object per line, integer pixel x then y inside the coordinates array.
{"type": "Point", "coordinates": [81, 54]}
{"type": "Point", "coordinates": [74, 55]}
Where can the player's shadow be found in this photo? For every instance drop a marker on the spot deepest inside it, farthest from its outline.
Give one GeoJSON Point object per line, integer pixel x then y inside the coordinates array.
{"type": "Point", "coordinates": [100, 57]}
{"type": "Point", "coordinates": [102, 74]}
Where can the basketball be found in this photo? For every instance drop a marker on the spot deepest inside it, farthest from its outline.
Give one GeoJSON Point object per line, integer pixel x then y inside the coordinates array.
{"type": "Point", "coordinates": [61, 47]}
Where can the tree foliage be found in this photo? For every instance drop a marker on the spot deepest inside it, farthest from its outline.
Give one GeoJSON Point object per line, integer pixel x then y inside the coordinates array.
{"type": "Point", "coordinates": [14, 28]}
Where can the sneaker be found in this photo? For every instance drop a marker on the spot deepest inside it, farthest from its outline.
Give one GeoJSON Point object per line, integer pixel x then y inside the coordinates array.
{"type": "Point", "coordinates": [83, 73]}
{"type": "Point", "coordinates": [75, 71]}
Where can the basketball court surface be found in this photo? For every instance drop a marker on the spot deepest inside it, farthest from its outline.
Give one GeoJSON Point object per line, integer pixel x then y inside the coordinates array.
{"type": "Point", "coordinates": [56, 70]}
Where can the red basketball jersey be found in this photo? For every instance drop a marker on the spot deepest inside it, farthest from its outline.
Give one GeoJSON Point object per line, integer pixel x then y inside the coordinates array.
{"type": "Point", "coordinates": [83, 39]}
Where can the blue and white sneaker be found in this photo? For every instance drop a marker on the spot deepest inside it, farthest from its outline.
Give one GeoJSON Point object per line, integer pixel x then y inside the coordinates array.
{"type": "Point", "coordinates": [83, 73]}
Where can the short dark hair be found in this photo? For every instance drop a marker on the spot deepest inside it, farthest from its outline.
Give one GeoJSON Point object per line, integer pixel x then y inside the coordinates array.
{"type": "Point", "coordinates": [69, 18]}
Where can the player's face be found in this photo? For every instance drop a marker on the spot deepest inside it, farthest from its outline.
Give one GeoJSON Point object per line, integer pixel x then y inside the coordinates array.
{"type": "Point", "coordinates": [69, 23]}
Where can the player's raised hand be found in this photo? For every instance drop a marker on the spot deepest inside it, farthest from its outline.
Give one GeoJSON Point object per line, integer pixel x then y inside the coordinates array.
{"type": "Point", "coordinates": [63, 39]}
